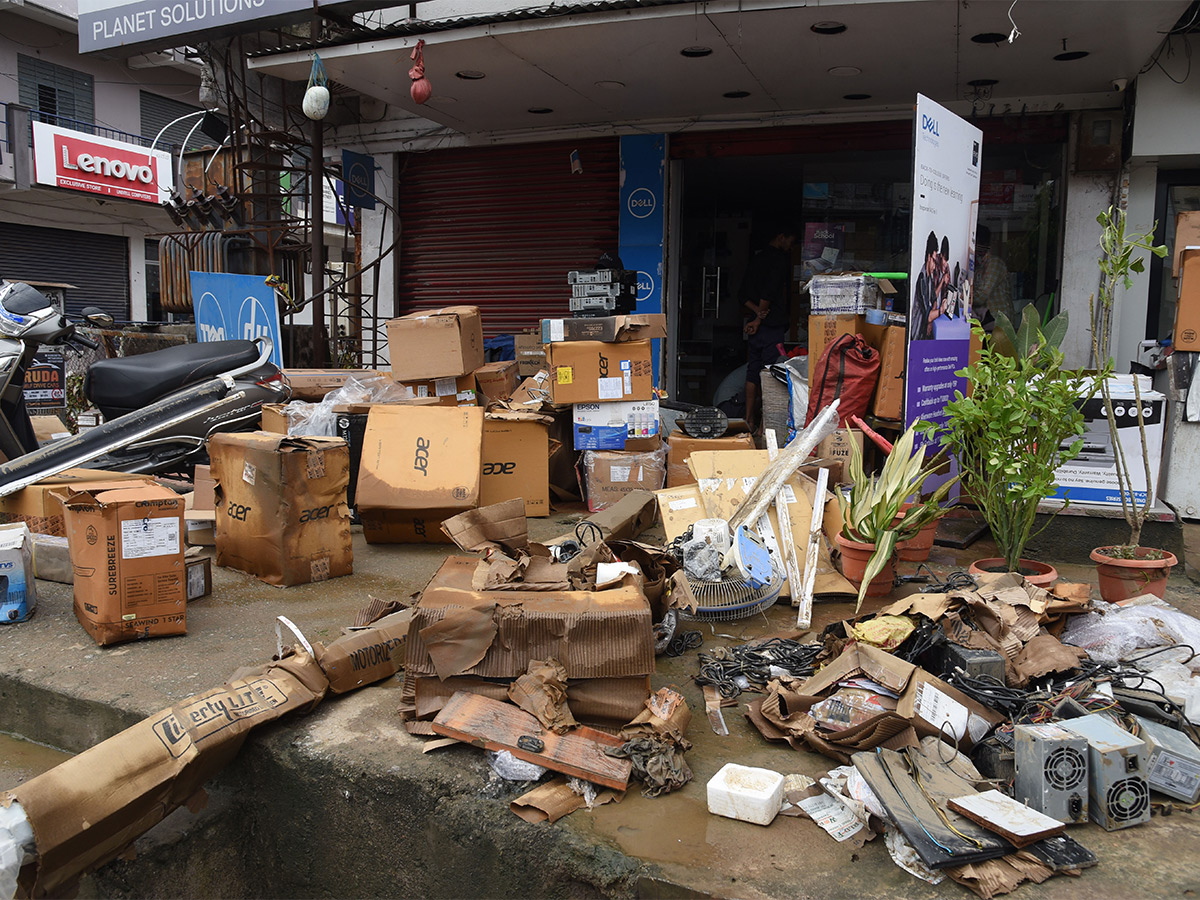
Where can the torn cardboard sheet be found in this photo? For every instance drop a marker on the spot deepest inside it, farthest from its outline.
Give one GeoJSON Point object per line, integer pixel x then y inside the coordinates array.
{"type": "Point", "coordinates": [459, 639]}
{"type": "Point", "coordinates": [1045, 654]}
{"type": "Point", "coordinates": [1000, 876]}
{"type": "Point", "coordinates": [542, 692]}
{"type": "Point", "coordinates": [551, 801]}
{"type": "Point", "coordinates": [89, 809]}
{"type": "Point", "coordinates": [365, 655]}
{"type": "Point", "coordinates": [501, 526]}
{"type": "Point", "coordinates": [666, 716]}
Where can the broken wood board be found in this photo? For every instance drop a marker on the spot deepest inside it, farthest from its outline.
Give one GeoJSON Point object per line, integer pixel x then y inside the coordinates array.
{"type": "Point", "coordinates": [1000, 813]}
{"type": "Point", "coordinates": [492, 725]}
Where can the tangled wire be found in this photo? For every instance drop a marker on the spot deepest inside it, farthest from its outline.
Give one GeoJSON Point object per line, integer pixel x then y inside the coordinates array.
{"type": "Point", "coordinates": [727, 667]}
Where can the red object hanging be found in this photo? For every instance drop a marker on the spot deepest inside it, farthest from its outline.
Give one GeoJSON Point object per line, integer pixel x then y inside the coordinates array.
{"type": "Point", "coordinates": [421, 89]}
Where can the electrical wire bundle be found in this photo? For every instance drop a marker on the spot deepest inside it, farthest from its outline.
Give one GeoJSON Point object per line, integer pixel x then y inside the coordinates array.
{"type": "Point", "coordinates": [727, 667]}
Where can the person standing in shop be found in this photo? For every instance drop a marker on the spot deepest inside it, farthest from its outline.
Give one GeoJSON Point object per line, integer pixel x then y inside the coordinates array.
{"type": "Point", "coordinates": [992, 291]}
{"type": "Point", "coordinates": [764, 293]}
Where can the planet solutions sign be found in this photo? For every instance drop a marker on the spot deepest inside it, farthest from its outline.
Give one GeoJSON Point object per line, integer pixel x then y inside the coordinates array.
{"type": "Point", "coordinates": [136, 24]}
{"type": "Point", "coordinates": [84, 162]}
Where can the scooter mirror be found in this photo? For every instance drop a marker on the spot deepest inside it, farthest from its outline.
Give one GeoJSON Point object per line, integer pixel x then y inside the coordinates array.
{"type": "Point", "coordinates": [98, 317]}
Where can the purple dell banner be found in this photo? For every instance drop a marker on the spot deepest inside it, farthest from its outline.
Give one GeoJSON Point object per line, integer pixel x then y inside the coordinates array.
{"type": "Point", "coordinates": [945, 209]}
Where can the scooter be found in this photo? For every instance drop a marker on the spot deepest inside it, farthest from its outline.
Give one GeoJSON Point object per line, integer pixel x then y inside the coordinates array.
{"type": "Point", "coordinates": [160, 407]}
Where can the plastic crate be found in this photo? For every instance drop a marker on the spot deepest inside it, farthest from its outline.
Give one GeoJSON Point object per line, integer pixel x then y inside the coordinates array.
{"type": "Point", "coordinates": [844, 294]}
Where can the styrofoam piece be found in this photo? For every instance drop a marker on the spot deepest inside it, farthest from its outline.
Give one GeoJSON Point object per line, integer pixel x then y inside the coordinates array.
{"type": "Point", "coordinates": [745, 793]}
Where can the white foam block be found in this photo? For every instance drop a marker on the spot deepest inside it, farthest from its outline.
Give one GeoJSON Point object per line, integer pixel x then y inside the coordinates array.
{"type": "Point", "coordinates": [746, 794]}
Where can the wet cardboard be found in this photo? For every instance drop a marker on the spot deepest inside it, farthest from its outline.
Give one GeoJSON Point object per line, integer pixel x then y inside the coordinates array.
{"type": "Point", "coordinates": [364, 656]}
{"type": "Point", "coordinates": [203, 488]}
{"type": "Point", "coordinates": [42, 512]}
{"type": "Point", "coordinates": [679, 508]}
{"type": "Point", "coordinates": [436, 343]}
{"type": "Point", "coordinates": [837, 445]}
{"type": "Point", "coordinates": [889, 391]}
{"type": "Point", "coordinates": [608, 329]}
{"type": "Point", "coordinates": [516, 463]}
{"type": "Point", "coordinates": [420, 465]}
{"type": "Point", "coordinates": [314, 384]}
{"type": "Point", "coordinates": [680, 447]}
{"type": "Point", "coordinates": [1187, 309]}
{"type": "Point", "coordinates": [497, 380]}
{"type": "Point", "coordinates": [609, 475]}
{"type": "Point", "coordinates": [496, 634]}
{"type": "Point", "coordinates": [594, 372]}
{"type": "Point", "coordinates": [88, 810]}
{"type": "Point", "coordinates": [126, 547]}
{"type": "Point", "coordinates": [281, 512]}
{"type": "Point", "coordinates": [823, 330]}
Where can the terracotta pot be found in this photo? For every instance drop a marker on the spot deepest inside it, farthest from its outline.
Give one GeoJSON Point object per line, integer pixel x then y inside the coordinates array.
{"type": "Point", "coordinates": [917, 549]}
{"type": "Point", "coordinates": [855, 555]}
{"type": "Point", "coordinates": [1044, 573]}
{"type": "Point", "coordinates": [1121, 579]}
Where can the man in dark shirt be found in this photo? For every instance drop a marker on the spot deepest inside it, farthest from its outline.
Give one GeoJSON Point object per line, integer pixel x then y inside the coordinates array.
{"type": "Point", "coordinates": [765, 292]}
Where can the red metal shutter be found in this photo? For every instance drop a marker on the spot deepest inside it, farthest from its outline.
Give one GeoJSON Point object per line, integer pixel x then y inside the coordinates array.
{"type": "Point", "coordinates": [499, 227]}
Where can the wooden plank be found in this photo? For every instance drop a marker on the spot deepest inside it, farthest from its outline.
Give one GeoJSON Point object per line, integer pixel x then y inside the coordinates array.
{"type": "Point", "coordinates": [1014, 821]}
{"type": "Point", "coordinates": [787, 549]}
{"type": "Point", "coordinates": [492, 725]}
{"type": "Point", "coordinates": [805, 599]}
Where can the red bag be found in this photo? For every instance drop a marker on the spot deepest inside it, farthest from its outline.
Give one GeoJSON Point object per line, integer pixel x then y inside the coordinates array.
{"type": "Point", "coordinates": [846, 371]}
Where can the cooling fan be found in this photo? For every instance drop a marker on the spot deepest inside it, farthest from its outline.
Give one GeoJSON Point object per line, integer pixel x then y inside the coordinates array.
{"type": "Point", "coordinates": [1128, 799]}
{"type": "Point", "coordinates": [747, 588]}
{"type": "Point", "coordinates": [1066, 768]}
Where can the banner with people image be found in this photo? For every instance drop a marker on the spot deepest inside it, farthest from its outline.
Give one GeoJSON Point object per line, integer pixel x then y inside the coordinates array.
{"type": "Point", "coordinates": [946, 161]}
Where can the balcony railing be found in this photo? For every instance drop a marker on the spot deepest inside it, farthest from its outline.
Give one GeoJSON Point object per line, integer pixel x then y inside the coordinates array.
{"type": "Point", "coordinates": [114, 134]}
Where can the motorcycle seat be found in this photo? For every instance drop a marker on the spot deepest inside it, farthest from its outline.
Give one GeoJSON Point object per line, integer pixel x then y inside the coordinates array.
{"type": "Point", "coordinates": [122, 385]}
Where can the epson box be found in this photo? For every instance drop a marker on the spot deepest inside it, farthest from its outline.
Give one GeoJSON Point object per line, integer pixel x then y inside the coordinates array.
{"type": "Point", "coordinates": [607, 426]}
{"type": "Point", "coordinates": [18, 593]}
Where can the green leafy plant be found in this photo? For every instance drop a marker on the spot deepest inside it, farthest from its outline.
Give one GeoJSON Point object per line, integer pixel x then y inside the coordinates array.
{"type": "Point", "coordinates": [1118, 258]}
{"type": "Point", "coordinates": [1020, 422]}
{"type": "Point", "coordinates": [871, 508]}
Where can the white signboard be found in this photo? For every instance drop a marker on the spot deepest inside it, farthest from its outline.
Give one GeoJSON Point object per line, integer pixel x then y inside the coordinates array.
{"type": "Point", "coordinates": [84, 162]}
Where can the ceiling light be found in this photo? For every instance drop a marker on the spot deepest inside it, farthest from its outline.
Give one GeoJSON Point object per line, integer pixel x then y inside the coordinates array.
{"type": "Point", "coordinates": [856, 96]}
{"type": "Point", "coordinates": [983, 82]}
{"type": "Point", "coordinates": [610, 85]}
{"type": "Point", "coordinates": [695, 52]}
{"type": "Point", "coordinates": [827, 27]}
{"type": "Point", "coordinates": [539, 110]}
{"type": "Point", "coordinates": [845, 71]}
{"type": "Point", "coordinates": [1071, 55]}
{"type": "Point", "coordinates": [989, 37]}
{"type": "Point", "coordinates": [469, 75]}
{"type": "Point", "coordinates": [735, 95]}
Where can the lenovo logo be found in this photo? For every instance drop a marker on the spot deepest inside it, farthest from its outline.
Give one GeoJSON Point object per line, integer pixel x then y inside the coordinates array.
{"type": "Point", "coordinates": [68, 159]}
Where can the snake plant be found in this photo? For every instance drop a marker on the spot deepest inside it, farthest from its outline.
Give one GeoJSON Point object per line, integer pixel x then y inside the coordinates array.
{"type": "Point", "coordinates": [871, 508]}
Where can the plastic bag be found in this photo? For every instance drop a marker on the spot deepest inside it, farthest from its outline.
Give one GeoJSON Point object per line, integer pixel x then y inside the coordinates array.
{"type": "Point", "coordinates": [16, 847]}
{"type": "Point", "coordinates": [701, 560]}
{"type": "Point", "coordinates": [849, 707]}
{"type": "Point", "coordinates": [1114, 633]}
{"type": "Point", "coordinates": [320, 419]}
{"type": "Point", "coordinates": [797, 376]}
{"type": "Point", "coordinates": [510, 768]}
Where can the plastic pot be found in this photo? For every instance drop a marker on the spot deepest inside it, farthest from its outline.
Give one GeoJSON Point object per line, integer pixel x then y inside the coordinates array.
{"type": "Point", "coordinates": [855, 555]}
{"type": "Point", "coordinates": [1043, 575]}
{"type": "Point", "coordinates": [1121, 579]}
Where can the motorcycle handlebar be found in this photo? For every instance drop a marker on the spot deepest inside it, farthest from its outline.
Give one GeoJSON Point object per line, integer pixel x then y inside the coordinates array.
{"type": "Point", "coordinates": [85, 341]}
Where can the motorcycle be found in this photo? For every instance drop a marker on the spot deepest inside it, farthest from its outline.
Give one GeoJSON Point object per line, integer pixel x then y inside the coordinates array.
{"type": "Point", "coordinates": [160, 408]}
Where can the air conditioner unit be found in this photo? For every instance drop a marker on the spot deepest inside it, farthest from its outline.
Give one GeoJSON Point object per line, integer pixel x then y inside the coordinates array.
{"type": "Point", "coordinates": [1052, 772]}
{"type": "Point", "coordinates": [1119, 793]}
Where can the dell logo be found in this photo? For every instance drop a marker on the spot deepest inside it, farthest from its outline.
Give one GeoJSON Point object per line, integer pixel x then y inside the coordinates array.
{"type": "Point", "coordinates": [929, 123]}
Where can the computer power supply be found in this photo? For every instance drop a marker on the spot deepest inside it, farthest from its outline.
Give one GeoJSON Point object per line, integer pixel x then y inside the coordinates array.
{"type": "Point", "coordinates": [1119, 792]}
{"type": "Point", "coordinates": [1052, 771]}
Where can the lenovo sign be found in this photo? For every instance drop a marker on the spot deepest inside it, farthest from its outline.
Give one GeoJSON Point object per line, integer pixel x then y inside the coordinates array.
{"type": "Point", "coordinates": [83, 162]}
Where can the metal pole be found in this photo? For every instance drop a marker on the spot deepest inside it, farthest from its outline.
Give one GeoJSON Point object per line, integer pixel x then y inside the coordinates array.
{"type": "Point", "coordinates": [317, 221]}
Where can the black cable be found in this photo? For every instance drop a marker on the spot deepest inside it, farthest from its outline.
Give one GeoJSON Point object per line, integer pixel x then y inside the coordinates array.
{"type": "Point", "coordinates": [957, 580]}
{"type": "Point", "coordinates": [725, 665]}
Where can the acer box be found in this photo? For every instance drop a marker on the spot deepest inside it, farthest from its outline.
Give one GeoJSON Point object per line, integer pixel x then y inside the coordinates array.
{"type": "Point", "coordinates": [516, 464]}
{"type": "Point", "coordinates": [126, 545]}
{"type": "Point", "coordinates": [281, 508]}
{"type": "Point", "coordinates": [497, 380]}
{"type": "Point", "coordinates": [420, 465]}
{"type": "Point", "coordinates": [437, 343]}
{"type": "Point", "coordinates": [610, 329]}
{"type": "Point", "coordinates": [592, 372]}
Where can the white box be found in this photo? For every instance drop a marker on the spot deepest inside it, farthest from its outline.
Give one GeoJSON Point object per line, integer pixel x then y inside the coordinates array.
{"type": "Point", "coordinates": [606, 426]}
{"type": "Point", "coordinates": [1092, 477]}
{"type": "Point", "coordinates": [18, 593]}
{"type": "Point", "coordinates": [745, 793]}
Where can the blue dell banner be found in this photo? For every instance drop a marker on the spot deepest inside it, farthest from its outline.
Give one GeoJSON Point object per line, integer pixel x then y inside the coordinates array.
{"type": "Point", "coordinates": [358, 171]}
{"type": "Point", "coordinates": [236, 307]}
{"type": "Point", "coordinates": [642, 219]}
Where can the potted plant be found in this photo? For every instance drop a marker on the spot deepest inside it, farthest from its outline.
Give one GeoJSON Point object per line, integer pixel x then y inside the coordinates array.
{"type": "Point", "coordinates": [1126, 570]}
{"type": "Point", "coordinates": [1009, 433]}
{"type": "Point", "coordinates": [872, 523]}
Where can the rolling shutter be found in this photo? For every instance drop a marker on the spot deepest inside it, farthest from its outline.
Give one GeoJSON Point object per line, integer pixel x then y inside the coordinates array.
{"type": "Point", "coordinates": [97, 264]}
{"type": "Point", "coordinates": [500, 227]}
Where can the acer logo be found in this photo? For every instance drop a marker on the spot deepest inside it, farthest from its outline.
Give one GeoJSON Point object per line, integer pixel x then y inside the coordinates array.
{"type": "Point", "coordinates": [237, 511]}
{"type": "Point", "coordinates": [603, 366]}
{"type": "Point", "coordinates": [318, 512]}
{"type": "Point", "coordinates": [421, 461]}
{"type": "Point", "coordinates": [419, 526]}
{"type": "Point", "coordinates": [497, 468]}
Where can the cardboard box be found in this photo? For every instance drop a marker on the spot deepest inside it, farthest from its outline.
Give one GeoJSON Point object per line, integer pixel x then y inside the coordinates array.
{"type": "Point", "coordinates": [1187, 308]}
{"type": "Point", "coordinates": [592, 372]}
{"type": "Point", "coordinates": [281, 506]}
{"type": "Point", "coordinates": [611, 474]}
{"type": "Point", "coordinates": [824, 330]}
{"type": "Point", "coordinates": [314, 384]}
{"type": "Point", "coordinates": [203, 488]}
{"type": "Point", "coordinates": [531, 356]}
{"type": "Point", "coordinates": [458, 391]}
{"type": "Point", "coordinates": [1092, 476]}
{"type": "Point", "coordinates": [126, 545]}
{"type": "Point", "coordinates": [612, 425]}
{"type": "Point", "coordinates": [364, 656]}
{"type": "Point", "coordinates": [18, 591]}
{"type": "Point", "coordinates": [419, 465]}
{"type": "Point", "coordinates": [436, 343]}
{"type": "Point", "coordinates": [48, 428]}
{"type": "Point", "coordinates": [680, 447]}
{"type": "Point", "coordinates": [516, 464]}
{"type": "Point", "coordinates": [497, 380]}
{"type": "Point", "coordinates": [889, 392]}
{"type": "Point", "coordinates": [198, 576]}
{"type": "Point", "coordinates": [38, 508]}
{"type": "Point", "coordinates": [679, 508]}
{"type": "Point", "coordinates": [607, 329]}
{"type": "Point", "coordinates": [837, 445]}
{"type": "Point", "coordinates": [534, 389]}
